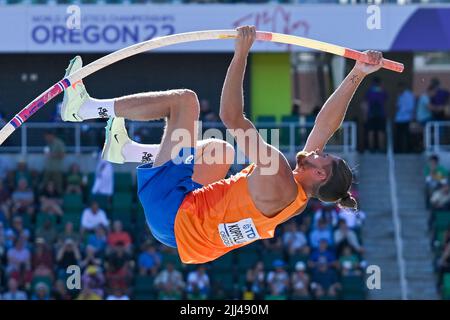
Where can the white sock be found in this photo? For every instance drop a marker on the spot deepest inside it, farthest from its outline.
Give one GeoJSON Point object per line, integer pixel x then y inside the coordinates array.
{"type": "Point", "coordinates": [97, 108]}
{"type": "Point", "coordinates": [141, 153]}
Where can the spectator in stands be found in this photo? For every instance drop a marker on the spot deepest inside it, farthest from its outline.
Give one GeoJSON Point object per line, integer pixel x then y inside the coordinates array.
{"type": "Point", "coordinates": [104, 179]}
{"type": "Point", "coordinates": [323, 231]}
{"type": "Point", "coordinates": [275, 243]}
{"type": "Point", "coordinates": [87, 294]}
{"type": "Point", "coordinates": [42, 271]}
{"type": "Point", "coordinates": [446, 238]}
{"type": "Point", "coordinates": [91, 258]}
{"type": "Point", "coordinates": [16, 231]}
{"type": "Point", "coordinates": [42, 255]}
{"type": "Point", "coordinates": [68, 233]}
{"type": "Point", "coordinates": [55, 152]}
{"type": "Point", "coordinates": [306, 250]}
{"type": "Point", "coordinates": [324, 281]}
{"type": "Point", "coordinates": [13, 292]}
{"type": "Point", "coordinates": [2, 242]}
{"type": "Point", "coordinates": [149, 260]}
{"type": "Point", "coordinates": [2, 119]}
{"type": "Point", "coordinates": [278, 280]}
{"type": "Point", "coordinates": [51, 200]}
{"type": "Point", "coordinates": [206, 113]}
{"type": "Point", "coordinates": [42, 292]}
{"type": "Point", "coordinates": [3, 218]}
{"type": "Point", "coordinates": [256, 280]}
{"type": "Point", "coordinates": [119, 265]}
{"type": "Point", "coordinates": [375, 115]}
{"type": "Point", "coordinates": [117, 294]}
{"type": "Point", "coordinates": [119, 235]}
{"type": "Point", "coordinates": [93, 278]}
{"type": "Point", "coordinates": [439, 99]}
{"type": "Point", "coordinates": [435, 174]}
{"type": "Point", "coordinates": [170, 283]}
{"type": "Point", "coordinates": [349, 263]}
{"type": "Point", "coordinates": [9, 240]}
{"type": "Point", "coordinates": [403, 117]}
{"type": "Point", "coordinates": [198, 284]}
{"type": "Point", "coordinates": [18, 257]}
{"type": "Point", "coordinates": [98, 239]}
{"type": "Point", "coordinates": [295, 110]}
{"type": "Point", "coordinates": [300, 282]}
{"type": "Point", "coordinates": [344, 236]}
{"type": "Point", "coordinates": [93, 217]}
{"type": "Point", "coordinates": [23, 199]}
{"type": "Point", "coordinates": [56, 114]}
{"type": "Point", "coordinates": [443, 263]}
{"type": "Point", "coordinates": [23, 276]}
{"type": "Point", "coordinates": [5, 200]}
{"type": "Point", "coordinates": [67, 255]}
{"type": "Point", "coordinates": [322, 254]}
{"type": "Point", "coordinates": [354, 220]}
{"type": "Point", "coordinates": [74, 180]}
{"type": "Point", "coordinates": [327, 213]}
{"type": "Point", "coordinates": [5, 167]}
{"type": "Point", "coordinates": [440, 198]}
{"type": "Point", "coordinates": [294, 240]}
{"type": "Point", "coordinates": [60, 291]}
{"type": "Point", "coordinates": [423, 111]}
{"type": "Point", "coordinates": [169, 292]}
{"type": "Point", "coordinates": [21, 172]}
{"type": "Point", "coordinates": [47, 231]}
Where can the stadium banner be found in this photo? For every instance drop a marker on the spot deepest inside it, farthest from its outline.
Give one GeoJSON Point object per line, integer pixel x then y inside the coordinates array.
{"type": "Point", "coordinates": [106, 28]}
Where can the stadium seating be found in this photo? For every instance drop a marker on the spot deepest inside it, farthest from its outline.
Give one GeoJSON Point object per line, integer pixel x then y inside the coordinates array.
{"type": "Point", "coordinates": [224, 264]}
{"type": "Point", "coordinates": [73, 203]}
{"type": "Point", "coordinates": [42, 217]}
{"type": "Point", "coordinates": [73, 217]}
{"type": "Point", "coordinates": [103, 201]}
{"type": "Point", "coordinates": [143, 288]}
{"type": "Point", "coordinates": [123, 182]}
{"type": "Point", "coordinates": [442, 220]}
{"type": "Point", "coordinates": [446, 287]}
{"type": "Point", "coordinates": [247, 257]}
{"type": "Point", "coordinates": [353, 288]}
{"type": "Point", "coordinates": [171, 258]}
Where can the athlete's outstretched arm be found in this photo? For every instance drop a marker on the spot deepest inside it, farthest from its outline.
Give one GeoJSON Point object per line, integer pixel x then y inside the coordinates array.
{"type": "Point", "coordinates": [333, 111]}
{"type": "Point", "coordinates": [232, 106]}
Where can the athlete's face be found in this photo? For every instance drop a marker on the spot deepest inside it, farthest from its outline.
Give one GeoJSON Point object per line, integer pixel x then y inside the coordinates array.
{"type": "Point", "coordinates": [316, 159]}
{"type": "Point", "coordinates": [316, 164]}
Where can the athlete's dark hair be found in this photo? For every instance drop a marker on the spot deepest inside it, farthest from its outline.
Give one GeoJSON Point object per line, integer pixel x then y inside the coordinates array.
{"type": "Point", "coordinates": [336, 188]}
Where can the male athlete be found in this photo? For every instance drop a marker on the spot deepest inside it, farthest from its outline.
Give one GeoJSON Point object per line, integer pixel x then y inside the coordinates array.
{"type": "Point", "coordinates": [189, 205]}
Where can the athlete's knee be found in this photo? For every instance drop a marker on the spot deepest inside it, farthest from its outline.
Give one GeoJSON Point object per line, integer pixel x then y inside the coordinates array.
{"type": "Point", "coordinates": [229, 152]}
{"type": "Point", "coordinates": [187, 104]}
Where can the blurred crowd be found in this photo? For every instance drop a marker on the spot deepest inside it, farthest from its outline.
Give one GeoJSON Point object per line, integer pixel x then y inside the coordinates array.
{"type": "Point", "coordinates": [40, 240]}
{"type": "Point", "coordinates": [411, 114]}
{"type": "Point", "coordinates": [437, 195]}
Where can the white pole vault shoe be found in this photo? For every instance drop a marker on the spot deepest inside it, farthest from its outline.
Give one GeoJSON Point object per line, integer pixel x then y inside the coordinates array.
{"type": "Point", "coordinates": [75, 95]}
{"type": "Point", "coordinates": [115, 138]}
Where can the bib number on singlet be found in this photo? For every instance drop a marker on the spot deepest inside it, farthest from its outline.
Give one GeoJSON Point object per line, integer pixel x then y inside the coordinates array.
{"type": "Point", "coordinates": [239, 232]}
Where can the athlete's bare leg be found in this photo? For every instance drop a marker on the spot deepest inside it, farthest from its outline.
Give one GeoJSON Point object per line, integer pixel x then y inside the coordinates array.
{"type": "Point", "coordinates": [179, 107]}
{"type": "Point", "coordinates": [213, 158]}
